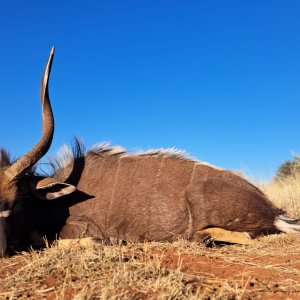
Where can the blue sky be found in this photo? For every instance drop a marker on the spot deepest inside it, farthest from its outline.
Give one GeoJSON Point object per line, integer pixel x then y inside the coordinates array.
{"type": "Point", "coordinates": [220, 79]}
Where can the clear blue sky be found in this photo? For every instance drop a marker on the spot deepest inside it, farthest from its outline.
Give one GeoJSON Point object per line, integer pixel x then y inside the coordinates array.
{"type": "Point", "coordinates": [220, 79]}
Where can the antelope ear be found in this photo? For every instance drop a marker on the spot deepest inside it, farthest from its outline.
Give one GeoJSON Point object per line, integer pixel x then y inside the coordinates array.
{"type": "Point", "coordinates": [50, 189]}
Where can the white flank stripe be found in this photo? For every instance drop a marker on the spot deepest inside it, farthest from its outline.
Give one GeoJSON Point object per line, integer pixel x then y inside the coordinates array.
{"type": "Point", "coordinates": [286, 227]}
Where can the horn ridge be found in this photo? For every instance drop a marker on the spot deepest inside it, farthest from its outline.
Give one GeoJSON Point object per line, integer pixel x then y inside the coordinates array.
{"type": "Point", "coordinates": [40, 149]}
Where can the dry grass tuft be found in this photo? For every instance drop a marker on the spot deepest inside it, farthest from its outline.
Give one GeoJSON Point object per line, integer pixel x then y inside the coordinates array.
{"type": "Point", "coordinates": [285, 193]}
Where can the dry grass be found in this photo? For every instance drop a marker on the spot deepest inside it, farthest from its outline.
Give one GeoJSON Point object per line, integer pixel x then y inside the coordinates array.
{"type": "Point", "coordinates": [285, 193]}
{"type": "Point", "coordinates": [269, 269]}
{"type": "Point", "coordinates": [104, 272]}
{"type": "Point", "coordinates": [178, 270]}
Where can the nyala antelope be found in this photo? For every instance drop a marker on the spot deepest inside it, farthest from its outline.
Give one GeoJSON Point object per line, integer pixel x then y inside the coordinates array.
{"type": "Point", "coordinates": [107, 193]}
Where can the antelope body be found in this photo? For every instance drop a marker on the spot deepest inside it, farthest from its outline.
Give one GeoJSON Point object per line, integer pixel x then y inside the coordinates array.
{"type": "Point", "coordinates": [107, 193]}
{"type": "Point", "coordinates": [161, 195]}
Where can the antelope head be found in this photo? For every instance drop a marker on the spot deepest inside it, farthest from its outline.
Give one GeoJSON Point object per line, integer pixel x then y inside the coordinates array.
{"type": "Point", "coordinates": [16, 179]}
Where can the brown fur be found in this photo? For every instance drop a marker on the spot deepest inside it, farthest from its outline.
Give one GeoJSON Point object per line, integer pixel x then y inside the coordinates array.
{"type": "Point", "coordinates": [161, 196]}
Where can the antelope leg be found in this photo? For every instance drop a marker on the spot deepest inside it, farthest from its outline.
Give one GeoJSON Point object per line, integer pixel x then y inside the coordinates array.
{"type": "Point", "coordinates": [223, 235]}
{"type": "Point", "coordinates": [78, 242]}
{"type": "Point", "coordinates": [82, 231]}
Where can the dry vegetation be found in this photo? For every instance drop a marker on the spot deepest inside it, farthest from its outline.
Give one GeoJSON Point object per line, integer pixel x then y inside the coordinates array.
{"type": "Point", "coordinates": [270, 269]}
{"type": "Point", "coordinates": [285, 193]}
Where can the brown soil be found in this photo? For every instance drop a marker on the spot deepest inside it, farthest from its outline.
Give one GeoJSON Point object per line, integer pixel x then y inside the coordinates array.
{"type": "Point", "coordinates": [266, 276]}
{"type": "Point", "coordinates": [269, 270]}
